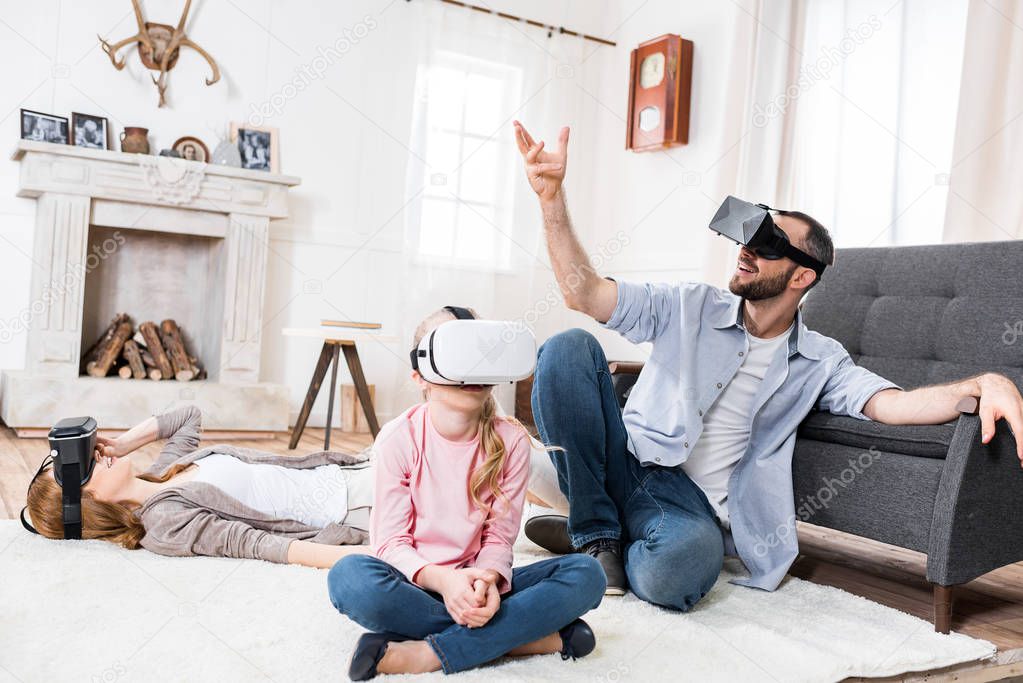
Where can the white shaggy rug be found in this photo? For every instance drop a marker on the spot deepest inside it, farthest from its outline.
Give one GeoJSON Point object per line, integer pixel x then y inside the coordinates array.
{"type": "Point", "coordinates": [88, 611]}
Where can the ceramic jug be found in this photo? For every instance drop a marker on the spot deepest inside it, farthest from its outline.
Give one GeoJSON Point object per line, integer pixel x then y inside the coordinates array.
{"type": "Point", "coordinates": [135, 139]}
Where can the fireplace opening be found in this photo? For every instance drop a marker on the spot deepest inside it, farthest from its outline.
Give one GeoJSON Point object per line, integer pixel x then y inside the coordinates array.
{"type": "Point", "coordinates": [155, 277]}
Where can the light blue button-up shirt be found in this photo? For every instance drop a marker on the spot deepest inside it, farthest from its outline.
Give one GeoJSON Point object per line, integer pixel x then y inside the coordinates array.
{"type": "Point", "coordinates": [699, 342]}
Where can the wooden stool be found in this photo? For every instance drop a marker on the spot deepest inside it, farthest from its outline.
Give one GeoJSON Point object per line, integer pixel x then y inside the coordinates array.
{"type": "Point", "coordinates": [330, 357]}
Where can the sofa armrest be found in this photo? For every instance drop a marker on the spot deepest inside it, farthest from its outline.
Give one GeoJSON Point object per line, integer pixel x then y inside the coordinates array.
{"type": "Point", "coordinates": [969, 405]}
{"type": "Point", "coordinates": [624, 367]}
{"type": "Point", "coordinates": [976, 525]}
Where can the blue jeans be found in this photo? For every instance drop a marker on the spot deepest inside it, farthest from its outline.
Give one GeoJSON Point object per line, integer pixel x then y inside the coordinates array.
{"type": "Point", "coordinates": [545, 597]}
{"type": "Point", "coordinates": [673, 547]}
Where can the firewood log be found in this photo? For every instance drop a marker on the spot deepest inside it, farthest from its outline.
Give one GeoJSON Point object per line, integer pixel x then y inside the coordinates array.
{"type": "Point", "coordinates": [147, 358]}
{"type": "Point", "coordinates": [134, 358]}
{"type": "Point", "coordinates": [108, 334]}
{"type": "Point", "coordinates": [152, 336]}
{"type": "Point", "coordinates": [109, 352]}
{"type": "Point", "coordinates": [171, 338]}
{"type": "Point", "coordinates": [124, 372]}
{"type": "Point", "coordinates": [155, 375]}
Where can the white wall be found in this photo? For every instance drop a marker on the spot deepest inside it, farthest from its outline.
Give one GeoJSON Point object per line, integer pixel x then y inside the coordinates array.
{"type": "Point", "coordinates": [342, 251]}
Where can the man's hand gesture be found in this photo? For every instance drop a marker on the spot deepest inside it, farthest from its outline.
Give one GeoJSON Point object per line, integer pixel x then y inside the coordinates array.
{"type": "Point", "coordinates": [545, 170]}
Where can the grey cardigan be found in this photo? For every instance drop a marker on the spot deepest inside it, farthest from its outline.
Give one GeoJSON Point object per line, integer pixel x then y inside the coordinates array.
{"type": "Point", "coordinates": [195, 518]}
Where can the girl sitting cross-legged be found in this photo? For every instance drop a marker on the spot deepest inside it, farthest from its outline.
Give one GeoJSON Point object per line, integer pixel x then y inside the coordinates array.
{"type": "Point", "coordinates": [441, 592]}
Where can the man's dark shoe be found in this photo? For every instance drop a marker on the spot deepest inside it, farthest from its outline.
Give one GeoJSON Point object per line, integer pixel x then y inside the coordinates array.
{"type": "Point", "coordinates": [550, 532]}
{"type": "Point", "coordinates": [608, 552]}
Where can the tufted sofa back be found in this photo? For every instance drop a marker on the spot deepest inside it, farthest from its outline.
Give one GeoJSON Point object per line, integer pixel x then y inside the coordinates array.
{"type": "Point", "coordinates": [925, 314]}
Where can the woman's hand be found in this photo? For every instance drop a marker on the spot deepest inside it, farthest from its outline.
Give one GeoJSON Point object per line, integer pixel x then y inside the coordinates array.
{"type": "Point", "coordinates": [127, 442]}
{"type": "Point", "coordinates": [108, 449]}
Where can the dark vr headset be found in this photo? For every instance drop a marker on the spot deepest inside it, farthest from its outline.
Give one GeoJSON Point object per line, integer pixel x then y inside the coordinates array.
{"type": "Point", "coordinates": [751, 226]}
{"type": "Point", "coordinates": [470, 351]}
{"type": "Point", "coordinates": [72, 448]}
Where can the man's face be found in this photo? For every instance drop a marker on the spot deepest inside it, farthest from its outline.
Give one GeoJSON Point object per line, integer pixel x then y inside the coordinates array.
{"type": "Point", "coordinates": [757, 278]}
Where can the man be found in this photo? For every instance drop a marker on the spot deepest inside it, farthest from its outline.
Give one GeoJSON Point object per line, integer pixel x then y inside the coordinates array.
{"type": "Point", "coordinates": [699, 462]}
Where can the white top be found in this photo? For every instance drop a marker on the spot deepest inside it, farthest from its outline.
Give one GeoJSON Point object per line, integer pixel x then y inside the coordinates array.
{"type": "Point", "coordinates": [726, 426]}
{"type": "Point", "coordinates": [318, 496]}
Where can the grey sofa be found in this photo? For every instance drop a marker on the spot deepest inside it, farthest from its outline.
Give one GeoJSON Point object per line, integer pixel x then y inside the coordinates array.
{"type": "Point", "coordinates": [917, 316]}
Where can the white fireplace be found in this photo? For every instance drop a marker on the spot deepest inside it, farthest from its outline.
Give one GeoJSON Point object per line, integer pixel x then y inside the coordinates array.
{"type": "Point", "coordinates": [155, 238]}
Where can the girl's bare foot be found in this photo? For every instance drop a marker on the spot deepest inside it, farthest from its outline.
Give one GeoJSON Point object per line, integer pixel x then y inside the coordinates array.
{"type": "Point", "coordinates": [409, 657]}
{"type": "Point", "coordinates": [545, 646]}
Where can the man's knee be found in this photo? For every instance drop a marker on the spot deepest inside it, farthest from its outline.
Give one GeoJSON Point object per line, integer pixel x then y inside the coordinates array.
{"type": "Point", "coordinates": [567, 351]}
{"type": "Point", "coordinates": [679, 572]}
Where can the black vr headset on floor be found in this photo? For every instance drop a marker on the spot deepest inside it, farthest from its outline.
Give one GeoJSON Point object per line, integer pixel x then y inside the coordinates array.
{"type": "Point", "coordinates": [751, 226]}
{"type": "Point", "coordinates": [470, 351]}
{"type": "Point", "coordinates": [72, 449]}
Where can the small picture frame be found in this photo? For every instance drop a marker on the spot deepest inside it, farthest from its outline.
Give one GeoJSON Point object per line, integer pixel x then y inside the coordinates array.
{"type": "Point", "coordinates": [90, 131]}
{"type": "Point", "coordinates": [257, 146]}
{"type": "Point", "coordinates": [36, 125]}
{"type": "Point", "coordinates": [192, 149]}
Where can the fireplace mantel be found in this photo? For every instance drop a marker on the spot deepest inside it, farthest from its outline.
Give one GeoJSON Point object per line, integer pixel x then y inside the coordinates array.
{"type": "Point", "coordinates": [76, 189]}
{"type": "Point", "coordinates": [150, 180]}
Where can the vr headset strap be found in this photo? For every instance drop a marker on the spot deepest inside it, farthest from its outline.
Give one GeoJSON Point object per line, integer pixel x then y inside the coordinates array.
{"type": "Point", "coordinates": [460, 312]}
{"type": "Point", "coordinates": [804, 259]}
{"type": "Point", "coordinates": [24, 522]}
{"type": "Point", "coordinates": [42, 466]}
{"type": "Point", "coordinates": [71, 499]}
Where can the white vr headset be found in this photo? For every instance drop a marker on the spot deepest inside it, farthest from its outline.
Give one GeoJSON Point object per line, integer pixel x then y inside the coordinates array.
{"type": "Point", "coordinates": [470, 351]}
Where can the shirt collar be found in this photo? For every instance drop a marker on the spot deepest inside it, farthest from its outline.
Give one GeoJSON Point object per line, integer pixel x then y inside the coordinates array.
{"type": "Point", "coordinates": [731, 316]}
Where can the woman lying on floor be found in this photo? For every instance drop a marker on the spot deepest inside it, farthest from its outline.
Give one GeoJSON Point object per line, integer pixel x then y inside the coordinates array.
{"type": "Point", "coordinates": [221, 501]}
{"type": "Point", "coordinates": [441, 593]}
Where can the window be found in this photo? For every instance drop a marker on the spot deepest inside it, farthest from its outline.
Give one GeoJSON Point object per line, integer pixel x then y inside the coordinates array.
{"type": "Point", "coordinates": [466, 161]}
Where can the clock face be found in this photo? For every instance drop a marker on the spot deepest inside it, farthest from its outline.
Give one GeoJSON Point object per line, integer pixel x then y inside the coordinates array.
{"type": "Point", "coordinates": [651, 70]}
{"type": "Point", "coordinates": [649, 118]}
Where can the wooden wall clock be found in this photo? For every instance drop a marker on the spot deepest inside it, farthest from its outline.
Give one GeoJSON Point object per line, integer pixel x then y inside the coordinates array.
{"type": "Point", "coordinates": [660, 84]}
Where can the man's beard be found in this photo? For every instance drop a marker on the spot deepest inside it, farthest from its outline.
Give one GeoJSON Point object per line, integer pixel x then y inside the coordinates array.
{"type": "Point", "coordinates": [760, 289]}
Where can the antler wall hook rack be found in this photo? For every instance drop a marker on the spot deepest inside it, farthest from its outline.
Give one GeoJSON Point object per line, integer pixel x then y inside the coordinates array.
{"type": "Point", "coordinates": [158, 46]}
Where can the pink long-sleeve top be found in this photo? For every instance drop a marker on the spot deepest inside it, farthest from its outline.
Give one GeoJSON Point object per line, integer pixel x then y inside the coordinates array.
{"type": "Point", "coordinates": [422, 512]}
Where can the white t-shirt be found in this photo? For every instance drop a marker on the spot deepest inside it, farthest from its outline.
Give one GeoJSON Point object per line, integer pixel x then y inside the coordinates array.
{"type": "Point", "coordinates": [317, 496]}
{"type": "Point", "coordinates": [726, 426]}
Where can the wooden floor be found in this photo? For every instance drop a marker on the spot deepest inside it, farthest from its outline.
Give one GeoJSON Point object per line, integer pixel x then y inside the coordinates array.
{"type": "Point", "coordinates": [990, 607]}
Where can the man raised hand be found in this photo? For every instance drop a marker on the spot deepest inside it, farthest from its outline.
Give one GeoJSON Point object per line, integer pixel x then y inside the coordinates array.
{"type": "Point", "coordinates": [583, 289]}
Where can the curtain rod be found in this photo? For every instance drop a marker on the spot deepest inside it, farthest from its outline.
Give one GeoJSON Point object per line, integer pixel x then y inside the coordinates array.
{"type": "Point", "coordinates": [539, 24]}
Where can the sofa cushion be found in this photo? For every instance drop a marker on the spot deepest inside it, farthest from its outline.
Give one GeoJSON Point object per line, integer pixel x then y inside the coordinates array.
{"type": "Point", "coordinates": [929, 441]}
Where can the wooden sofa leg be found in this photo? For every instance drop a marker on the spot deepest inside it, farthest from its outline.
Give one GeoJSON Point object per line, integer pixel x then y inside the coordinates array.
{"type": "Point", "coordinates": [942, 608]}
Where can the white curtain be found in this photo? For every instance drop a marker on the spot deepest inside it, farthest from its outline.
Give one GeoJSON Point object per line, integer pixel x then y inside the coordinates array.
{"type": "Point", "coordinates": [875, 117]}
{"type": "Point", "coordinates": [985, 202]}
